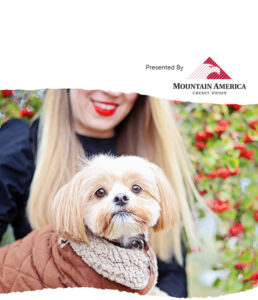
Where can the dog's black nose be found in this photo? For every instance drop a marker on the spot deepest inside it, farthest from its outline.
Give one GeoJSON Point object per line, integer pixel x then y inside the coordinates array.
{"type": "Point", "coordinates": [121, 199]}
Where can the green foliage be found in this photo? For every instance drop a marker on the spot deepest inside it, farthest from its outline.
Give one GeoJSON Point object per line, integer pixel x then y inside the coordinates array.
{"type": "Point", "coordinates": [226, 159]}
{"type": "Point", "coordinates": [20, 104]}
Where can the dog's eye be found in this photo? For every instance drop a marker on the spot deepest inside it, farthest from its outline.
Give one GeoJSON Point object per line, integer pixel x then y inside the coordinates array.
{"type": "Point", "coordinates": [100, 193]}
{"type": "Point", "coordinates": [136, 189]}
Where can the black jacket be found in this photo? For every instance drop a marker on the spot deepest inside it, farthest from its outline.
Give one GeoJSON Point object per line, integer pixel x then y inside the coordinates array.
{"type": "Point", "coordinates": [18, 146]}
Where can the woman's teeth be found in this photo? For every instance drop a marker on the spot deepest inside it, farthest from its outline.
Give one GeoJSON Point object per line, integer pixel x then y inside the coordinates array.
{"type": "Point", "coordinates": [105, 109]}
{"type": "Point", "coordinates": [105, 106]}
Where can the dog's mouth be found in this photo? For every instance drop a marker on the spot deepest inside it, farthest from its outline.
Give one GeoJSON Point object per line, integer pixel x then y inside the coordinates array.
{"type": "Point", "coordinates": [124, 223]}
{"type": "Point", "coordinates": [127, 216]}
{"type": "Point", "coordinates": [122, 214]}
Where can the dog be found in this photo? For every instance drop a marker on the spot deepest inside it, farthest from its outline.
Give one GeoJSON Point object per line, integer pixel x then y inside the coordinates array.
{"type": "Point", "coordinates": [99, 227]}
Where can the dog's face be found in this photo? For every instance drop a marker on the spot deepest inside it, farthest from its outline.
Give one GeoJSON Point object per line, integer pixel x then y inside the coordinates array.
{"type": "Point", "coordinates": [114, 197]}
{"type": "Point", "coordinates": [122, 197]}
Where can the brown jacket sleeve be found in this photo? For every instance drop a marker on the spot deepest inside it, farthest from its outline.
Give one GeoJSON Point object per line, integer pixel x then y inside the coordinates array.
{"type": "Point", "coordinates": [37, 262]}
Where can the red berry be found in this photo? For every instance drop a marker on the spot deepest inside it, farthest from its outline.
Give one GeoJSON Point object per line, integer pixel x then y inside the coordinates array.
{"type": "Point", "coordinates": [223, 172]}
{"type": "Point", "coordinates": [241, 265]}
{"type": "Point", "coordinates": [177, 102]}
{"type": "Point", "coordinates": [235, 106]}
{"type": "Point", "coordinates": [7, 93]}
{"type": "Point", "coordinates": [26, 112]}
{"type": "Point", "coordinates": [254, 283]}
{"type": "Point", "coordinates": [203, 192]}
{"type": "Point", "coordinates": [200, 136]}
{"type": "Point", "coordinates": [200, 145]}
{"type": "Point", "coordinates": [22, 112]}
{"type": "Point", "coordinates": [235, 229]}
{"type": "Point", "coordinates": [247, 138]}
{"type": "Point", "coordinates": [219, 206]}
{"type": "Point", "coordinates": [221, 126]}
{"type": "Point", "coordinates": [254, 276]}
{"type": "Point", "coordinates": [223, 123]}
{"type": "Point", "coordinates": [237, 205]}
{"type": "Point", "coordinates": [247, 154]}
{"type": "Point", "coordinates": [212, 174]}
{"type": "Point", "coordinates": [255, 215]}
{"type": "Point", "coordinates": [235, 172]}
{"type": "Point", "coordinates": [209, 133]}
{"type": "Point", "coordinates": [253, 124]}
{"type": "Point", "coordinates": [239, 146]}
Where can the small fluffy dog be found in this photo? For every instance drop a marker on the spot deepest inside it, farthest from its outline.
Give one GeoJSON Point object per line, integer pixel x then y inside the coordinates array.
{"type": "Point", "coordinates": [100, 222]}
{"type": "Point", "coordinates": [117, 198]}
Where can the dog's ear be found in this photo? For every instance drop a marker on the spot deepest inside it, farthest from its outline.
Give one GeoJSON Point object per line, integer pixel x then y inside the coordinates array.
{"type": "Point", "coordinates": [67, 213]}
{"type": "Point", "coordinates": [169, 214]}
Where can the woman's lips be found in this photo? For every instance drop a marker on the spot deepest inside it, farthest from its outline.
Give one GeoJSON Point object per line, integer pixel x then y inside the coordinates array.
{"type": "Point", "coordinates": [105, 109]}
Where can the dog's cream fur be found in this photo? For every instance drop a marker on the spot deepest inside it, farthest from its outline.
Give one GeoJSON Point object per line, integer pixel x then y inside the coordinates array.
{"type": "Point", "coordinates": [77, 208]}
{"type": "Point", "coordinates": [76, 204]}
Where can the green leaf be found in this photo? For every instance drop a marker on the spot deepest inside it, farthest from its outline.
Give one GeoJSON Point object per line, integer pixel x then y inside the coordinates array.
{"type": "Point", "coordinates": [247, 274]}
{"type": "Point", "coordinates": [234, 286]}
{"type": "Point", "coordinates": [216, 282]}
{"type": "Point", "coordinates": [246, 257]}
{"type": "Point", "coordinates": [210, 161]}
{"type": "Point", "coordinates": [247, 221]}
{"type": "Point", "coordinates": [233, 163]}
{"type": "Point", "coordinates": [230, 214]}
{"type": "Point", "coordinates": [246, 203]}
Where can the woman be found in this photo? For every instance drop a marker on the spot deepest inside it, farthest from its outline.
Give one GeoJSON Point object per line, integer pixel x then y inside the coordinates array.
{"type": "Point", "coordinates": [77, 122]}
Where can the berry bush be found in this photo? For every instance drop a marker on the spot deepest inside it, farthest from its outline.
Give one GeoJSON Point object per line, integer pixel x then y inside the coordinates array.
{"type": "Point", "coordinates": [20, 104]}
{"type": "Point", "coordinates": [222, 142]}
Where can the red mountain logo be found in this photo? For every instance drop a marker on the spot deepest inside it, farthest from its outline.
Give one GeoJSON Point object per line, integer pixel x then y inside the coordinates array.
{"type": "Point", "coordinates": [209, 70]}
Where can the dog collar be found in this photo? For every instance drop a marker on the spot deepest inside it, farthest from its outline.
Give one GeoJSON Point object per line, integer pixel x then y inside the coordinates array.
{"type": "Point", "coordinates": [139, 243]}
{"type": "Point", "coordinates": [125, 266]}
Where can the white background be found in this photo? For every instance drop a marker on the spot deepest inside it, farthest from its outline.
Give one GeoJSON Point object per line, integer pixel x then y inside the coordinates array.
{"type": "Point", "coordinates": [106, 45]}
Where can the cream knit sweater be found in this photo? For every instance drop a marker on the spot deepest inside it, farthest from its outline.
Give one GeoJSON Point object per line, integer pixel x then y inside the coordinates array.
{"type": "Point", "coordinates": [128, 267]}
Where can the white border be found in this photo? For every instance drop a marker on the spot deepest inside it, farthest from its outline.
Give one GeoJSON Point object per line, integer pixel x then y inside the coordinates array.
{"type": "Point", "coordinates": [106, 45]}
{"type": "Point", "coordinates": [90, 293]}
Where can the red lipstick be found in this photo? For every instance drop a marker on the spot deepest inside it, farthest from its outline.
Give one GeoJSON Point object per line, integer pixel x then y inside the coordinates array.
{"type": "Point", "coordinates": [104, 108]}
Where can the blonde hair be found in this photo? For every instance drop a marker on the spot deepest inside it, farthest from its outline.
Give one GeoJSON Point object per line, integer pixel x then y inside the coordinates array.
{"type": "Point", "coordinates": [148, 131]}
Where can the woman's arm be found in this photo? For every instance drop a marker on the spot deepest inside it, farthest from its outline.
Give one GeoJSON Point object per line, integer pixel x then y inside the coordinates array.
{"type": "Point", "coordinates": [16, 170]}
{"type": "Point", "coordinates": [172, 277]}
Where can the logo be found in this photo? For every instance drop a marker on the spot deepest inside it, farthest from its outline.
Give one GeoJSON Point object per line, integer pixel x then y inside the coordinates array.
{"type": "Point", "coordinates": [209, 70]}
